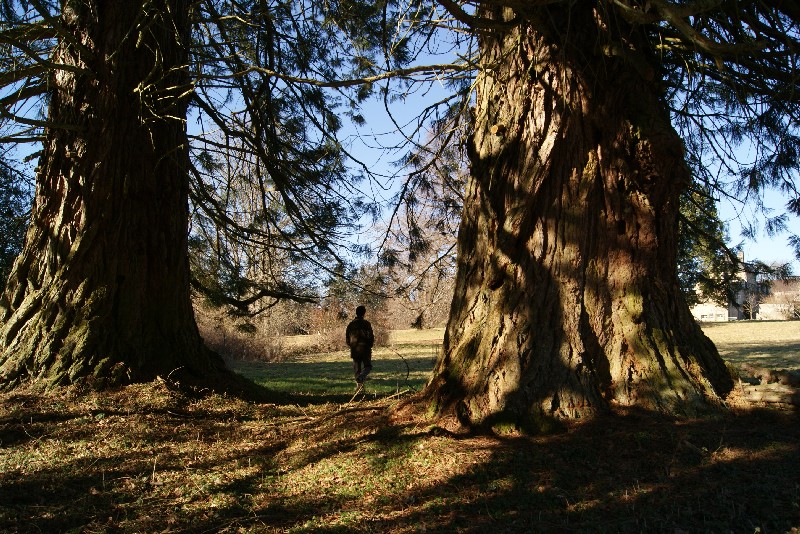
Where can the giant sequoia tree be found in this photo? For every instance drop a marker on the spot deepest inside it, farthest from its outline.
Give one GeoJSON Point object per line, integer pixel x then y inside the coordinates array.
{"type": "Point", "coordinates": [567, 297]}
{"type": "Point", "coordinates": [102, 286]}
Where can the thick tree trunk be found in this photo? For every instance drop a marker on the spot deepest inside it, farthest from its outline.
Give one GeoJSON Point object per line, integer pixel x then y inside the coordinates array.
{"type": "Point", "coordinates": [567, 299]}
{"type": "Point", "coordinates": [101, 288]}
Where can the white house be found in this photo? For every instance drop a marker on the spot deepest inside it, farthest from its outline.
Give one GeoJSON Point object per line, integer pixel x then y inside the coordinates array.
{"type": "Point", "coordinates": [777, 300]}
{"type": "Point", "coordinates": [782, 302]}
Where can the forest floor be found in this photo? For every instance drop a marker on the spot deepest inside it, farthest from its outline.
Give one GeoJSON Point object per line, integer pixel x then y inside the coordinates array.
{"type": "Point", "coordinates": [150, 458]}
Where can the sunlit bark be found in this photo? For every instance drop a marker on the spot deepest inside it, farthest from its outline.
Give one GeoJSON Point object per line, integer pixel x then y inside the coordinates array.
{"type": "Point", "coordinates": [567, 300]}
{"type": "Point", "coordinates": [101, 289]}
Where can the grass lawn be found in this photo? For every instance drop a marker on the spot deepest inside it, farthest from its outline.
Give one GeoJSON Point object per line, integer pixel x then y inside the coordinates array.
{"type": "Point", "coordinates": [771, 344]}
{"type": "Point", "coordinates": [404, 365]}
{"type": "Point", "coordinates": [401, 367]}
{"type": "Point", "coordinates": [150, 458]}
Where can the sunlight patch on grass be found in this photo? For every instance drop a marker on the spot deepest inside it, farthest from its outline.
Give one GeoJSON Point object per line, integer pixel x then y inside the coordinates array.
{"type": "Point", "coordinates": [770, 344]}
{"type": "Point", "coordinates": [397, 368]}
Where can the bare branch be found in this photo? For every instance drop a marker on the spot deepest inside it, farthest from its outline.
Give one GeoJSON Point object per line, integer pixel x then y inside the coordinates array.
{"type": "Point", "coordinates": [433, 70]}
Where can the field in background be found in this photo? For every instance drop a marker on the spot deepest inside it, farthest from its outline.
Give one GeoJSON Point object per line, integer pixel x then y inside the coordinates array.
{"type": "Point", "coordinates": [406, 363]}
{"type": "Point", "coordinates": [770, 344]}
{"type": "Point", "coordinates": [403, 366]}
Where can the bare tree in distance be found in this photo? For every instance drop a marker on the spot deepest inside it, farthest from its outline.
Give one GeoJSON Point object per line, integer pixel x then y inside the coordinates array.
{"type": "Point", "coordinates": [419, 246]}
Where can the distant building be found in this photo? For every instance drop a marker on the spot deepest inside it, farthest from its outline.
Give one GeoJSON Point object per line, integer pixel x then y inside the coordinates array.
{"type": "Point", "coordinates": [782, 301]}
{"type": "Point", "coordinates": [770, 301]}
{"type": "Point", "coordinates": [713, 312]}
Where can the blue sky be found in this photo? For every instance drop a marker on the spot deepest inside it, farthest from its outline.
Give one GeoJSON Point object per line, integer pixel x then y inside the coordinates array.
{"type": "Point", "coordinates": [764, 248]}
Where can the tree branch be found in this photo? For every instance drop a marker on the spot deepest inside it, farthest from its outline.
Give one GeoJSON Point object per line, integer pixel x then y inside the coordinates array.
{"type": "Point", "coordinates": [409, 72]}
{"type": "Point", "coordinates": [477, 22]}
{"type": "Point", "coordinates": [243, 304]}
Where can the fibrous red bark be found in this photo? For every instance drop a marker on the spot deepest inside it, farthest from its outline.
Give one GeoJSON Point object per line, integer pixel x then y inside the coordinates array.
{"type": "Point", "coordinates": [101, 288]}
{"type": "Point", "coordinates": [567, 299]}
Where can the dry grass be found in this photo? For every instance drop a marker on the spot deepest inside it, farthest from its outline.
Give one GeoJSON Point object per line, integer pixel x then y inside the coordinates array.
{"type": "Point", "coordinates": [432, 336]}
{"type": "Point", "coordinates": [770, 344]}
{"type": "Point", "coordinates": [148, 458]}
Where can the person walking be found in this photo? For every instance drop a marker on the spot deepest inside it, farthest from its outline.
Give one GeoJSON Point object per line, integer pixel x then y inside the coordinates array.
{"type": "Point", "coordinates": [359, 338]}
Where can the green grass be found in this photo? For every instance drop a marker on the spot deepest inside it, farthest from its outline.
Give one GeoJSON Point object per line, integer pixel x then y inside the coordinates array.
{"type": "Point", "coordinates": [770, 344]}
{"type": "Point", "coordinates": [404, 366]}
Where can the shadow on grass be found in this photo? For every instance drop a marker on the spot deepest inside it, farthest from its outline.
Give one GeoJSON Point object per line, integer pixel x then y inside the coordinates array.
{"type": "Point", "coordinates": [767, 355]}
{"type": "Point", "coordinates": [634, 473]}
{"type": "Point", "coordinates": [353, 469]}
{"type": "Point", "coordinates": [321, 382]}
{"type": "Point", "coordinates": [114, 493]}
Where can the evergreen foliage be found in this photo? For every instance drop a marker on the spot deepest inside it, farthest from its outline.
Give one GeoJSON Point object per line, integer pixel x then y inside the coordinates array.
{"type": "Point", "coordinates": [706, 268]}
{"type": "Point", "coordinates": [276, 79]}
{"type": "Point", "coordinates": [729, 72]}
{"type": "Point", "coordinates": [14, 202]}
{"type": "Point", "coordinates": [274, 194]}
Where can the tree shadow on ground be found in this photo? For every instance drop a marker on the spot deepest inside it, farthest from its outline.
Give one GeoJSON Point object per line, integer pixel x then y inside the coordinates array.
{"type": "Point", "coordinates": [625, 473]}
{"type": "Point", "coordinates": [768, 355]}
{"type": "Point", "coordinates": [631, 473]}
{"type": "Point", "coordinates": [358, 468]}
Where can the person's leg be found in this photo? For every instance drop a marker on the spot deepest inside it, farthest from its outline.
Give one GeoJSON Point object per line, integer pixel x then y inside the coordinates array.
{"type": "Point", "coordinates": [357, 368]}
{"type": "Point", "coordinates": [367, 366]}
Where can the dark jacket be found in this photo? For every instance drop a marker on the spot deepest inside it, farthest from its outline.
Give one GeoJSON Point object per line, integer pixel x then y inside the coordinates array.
{"type": "Point", "coordinates": [359, 336]}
